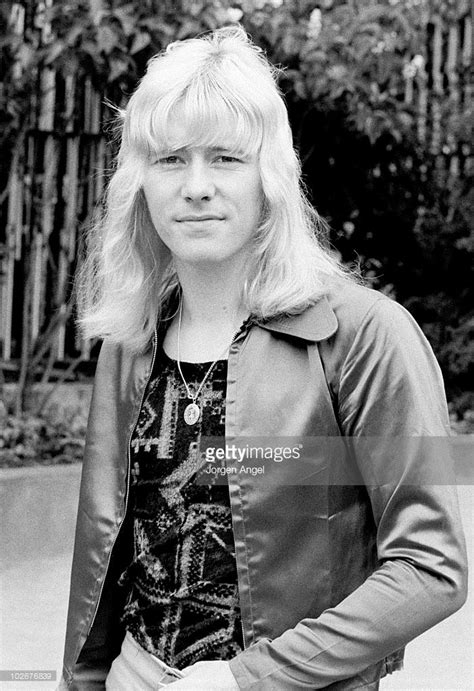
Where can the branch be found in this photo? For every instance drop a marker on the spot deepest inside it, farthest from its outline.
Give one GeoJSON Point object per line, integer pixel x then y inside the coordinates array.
{"type": "Point", "coordinates": [61, 379]}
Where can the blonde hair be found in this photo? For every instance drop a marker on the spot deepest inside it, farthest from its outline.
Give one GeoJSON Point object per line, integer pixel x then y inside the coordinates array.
{"type": "Point", "coordinates": [227, 90]}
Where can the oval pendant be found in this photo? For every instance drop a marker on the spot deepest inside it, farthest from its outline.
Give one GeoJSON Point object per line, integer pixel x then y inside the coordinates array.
{"type": "Point", "coordinates": [192, 413]}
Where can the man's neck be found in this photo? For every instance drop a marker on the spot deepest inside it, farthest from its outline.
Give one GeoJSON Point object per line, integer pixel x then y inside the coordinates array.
{"type": "Point", "coordinates": [212, 312]}
{"type": "Point", "coordinates": [212, 295]}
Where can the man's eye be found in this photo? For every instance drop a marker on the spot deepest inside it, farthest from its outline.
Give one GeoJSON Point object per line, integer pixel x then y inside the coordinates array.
{"type": "Point", "coordinates": [226, 158]}
{"type": "Point", "coordinates": [168, 160]}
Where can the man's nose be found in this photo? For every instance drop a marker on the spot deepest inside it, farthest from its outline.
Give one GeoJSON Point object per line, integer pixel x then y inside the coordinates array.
{"type": "Point", "coordinates": [198, 184]}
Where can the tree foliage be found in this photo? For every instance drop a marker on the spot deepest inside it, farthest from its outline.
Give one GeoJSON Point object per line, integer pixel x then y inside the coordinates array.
{"type": "Point", "coordinates": [371, 161]}
{"type": "Point", "coordinates": [350, 68]}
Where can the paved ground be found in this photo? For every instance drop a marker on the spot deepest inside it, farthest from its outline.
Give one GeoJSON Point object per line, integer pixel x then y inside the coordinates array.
{"type": "Point", "coordinates": [33, 625]}
{"type": "Point", "coordinates": [34, 594]}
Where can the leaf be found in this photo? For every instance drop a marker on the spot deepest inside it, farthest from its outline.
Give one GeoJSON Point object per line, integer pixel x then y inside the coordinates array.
{"type": "Point", "coordinates": [140, 41]}
{"type": "Point", "coordinates": [118, 67]}
{"type": "Point", "coordinates": [290, 45]}
{"type": "Point", "coordinates": [91, 47]}
{"type": "Point", "coordinates": [74, 34]}
{"type": "Point", "coordinates": [127, 17]}
{"type": "Point", "coordinates": [26, 55]}
{"type": "Point", "coordinates": [405, 119]}
{"type": "Point", "coordinates": [195, 8]}
{"type": "Point", "coordinates": [54, 51]}
{"type": "Point", "coordinates": [189, 28]}
{"type": "Point", "coordinates": [107, 39]}
{"type": "Point", "coordinates": [337, 72]}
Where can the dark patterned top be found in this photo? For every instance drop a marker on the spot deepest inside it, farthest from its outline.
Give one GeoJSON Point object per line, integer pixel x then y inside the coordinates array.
{"type": "Point", "coordinates": [183, 604]}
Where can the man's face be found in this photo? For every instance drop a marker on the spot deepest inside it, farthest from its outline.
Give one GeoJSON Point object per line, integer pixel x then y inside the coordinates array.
{"type": "Point", "coordinates": [205, 201]}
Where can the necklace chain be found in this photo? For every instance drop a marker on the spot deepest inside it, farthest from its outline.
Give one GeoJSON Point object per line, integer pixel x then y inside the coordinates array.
{"type": "Point", "coordinates": [192, 412]}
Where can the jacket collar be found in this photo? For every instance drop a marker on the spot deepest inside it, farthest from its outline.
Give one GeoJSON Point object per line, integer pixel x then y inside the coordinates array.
{"type": "Point", "coordinates": [316, 323]}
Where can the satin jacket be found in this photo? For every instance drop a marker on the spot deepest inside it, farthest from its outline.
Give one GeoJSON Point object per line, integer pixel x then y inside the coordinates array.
{"type": "Point", "coordinates": [334, 579]}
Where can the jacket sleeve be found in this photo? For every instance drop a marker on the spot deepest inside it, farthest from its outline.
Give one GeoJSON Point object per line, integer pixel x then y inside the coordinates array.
{"type": "Point", "coordinates": [103, 543]}
{"type": "Point", "coordinates": [389, 387]}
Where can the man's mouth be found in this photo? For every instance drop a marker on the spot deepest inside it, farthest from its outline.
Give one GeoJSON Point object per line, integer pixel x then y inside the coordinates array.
{"type": "Point", "coordinates": [197, 218]}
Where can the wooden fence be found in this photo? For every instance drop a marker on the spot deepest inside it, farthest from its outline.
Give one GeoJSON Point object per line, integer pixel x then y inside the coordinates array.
{"type": "Point", "coordinates": [57, 175]}
{"type": "Point", "coordinates": [58, 167]}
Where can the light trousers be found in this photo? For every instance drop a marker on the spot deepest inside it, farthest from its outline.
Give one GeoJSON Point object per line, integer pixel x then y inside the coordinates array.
{"type": "Point", "coordinates": [136, 670]}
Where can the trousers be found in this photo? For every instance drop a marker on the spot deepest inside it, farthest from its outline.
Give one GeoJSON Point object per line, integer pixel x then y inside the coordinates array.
{"type": "Point", "coordinates": [134, 669]}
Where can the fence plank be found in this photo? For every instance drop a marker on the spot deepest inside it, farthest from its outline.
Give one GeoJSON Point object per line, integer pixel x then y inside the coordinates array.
{"type": "Point", "coordinates": [67, 235]}
{"type": "Point", "coordinates": [69, 101]}
{"type": "Point", "coordinates": [47, 105]}
{"type": "Point", "coordinates": [73, 189]}
{"type": "Point", "coordinates": [13, 249]}
{"type": "Point", "coordinates": [51, 154]}
{"type": "Point", "coordinates": [437, 85]}
{"type": "Point", "coordinates": [48, 206]}
{"type": "Point", "coordinates": [7, 302]}
{"type": "Point", "coordinates": [467, 92]}
{"type": "Point", "coordinates": [36, 283]}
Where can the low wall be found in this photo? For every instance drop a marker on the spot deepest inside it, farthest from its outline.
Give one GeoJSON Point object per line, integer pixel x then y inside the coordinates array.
{"type": "Point", "coordinates": [68, 400]}
{"type": "Point", "coordinates": [38, 509]}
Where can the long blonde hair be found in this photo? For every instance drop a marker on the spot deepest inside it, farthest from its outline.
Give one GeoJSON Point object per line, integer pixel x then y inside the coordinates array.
{"type": "Point", "coordinates": [227, 90]}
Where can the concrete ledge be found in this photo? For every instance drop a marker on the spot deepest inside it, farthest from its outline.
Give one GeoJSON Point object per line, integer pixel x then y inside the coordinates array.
{"type": "Point", "coordinates": [66, 400]}
{"type": "Point", "coordinates": [38, 507]}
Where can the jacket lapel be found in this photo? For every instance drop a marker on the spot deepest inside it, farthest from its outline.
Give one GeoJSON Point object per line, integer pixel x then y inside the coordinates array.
{"type": "Point", "coordinates": [316, 323]}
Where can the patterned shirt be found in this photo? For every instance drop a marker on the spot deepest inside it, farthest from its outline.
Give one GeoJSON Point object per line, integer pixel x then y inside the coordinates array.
{"type": "Point", "coordinates": [183, 603]}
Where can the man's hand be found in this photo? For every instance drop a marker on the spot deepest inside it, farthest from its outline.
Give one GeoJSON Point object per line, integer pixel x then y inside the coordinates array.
{"type": "Point", "coordinates": [206, 676]}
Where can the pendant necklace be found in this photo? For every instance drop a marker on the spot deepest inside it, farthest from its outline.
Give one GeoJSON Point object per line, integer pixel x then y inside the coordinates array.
{"type": "Point", "coordinates": [192, 412]}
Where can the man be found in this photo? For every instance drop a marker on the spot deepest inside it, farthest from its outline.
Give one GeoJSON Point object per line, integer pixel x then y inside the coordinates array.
{"type": "Point", "coordinates": [224, 316]}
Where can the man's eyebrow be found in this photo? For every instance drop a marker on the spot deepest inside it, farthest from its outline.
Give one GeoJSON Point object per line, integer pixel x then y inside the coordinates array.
{"type": "Point", "coordinates": [167, 150]}
{"type": "Point", "coordinates": [215, 148]}
{"type": "Point", "coordinates": [225, 147]}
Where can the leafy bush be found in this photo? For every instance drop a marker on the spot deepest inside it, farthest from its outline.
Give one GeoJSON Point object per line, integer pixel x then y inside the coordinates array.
{"type": "Point", "coordinates": [462, 423]}
{"type": "Point", "coordinates": [28, 440]}
{"type": "Point", "coordinates": [399, 203]}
